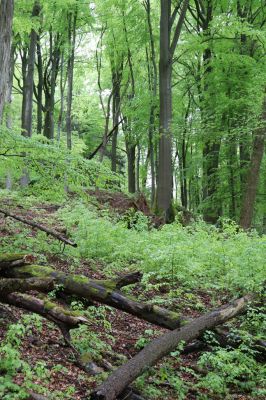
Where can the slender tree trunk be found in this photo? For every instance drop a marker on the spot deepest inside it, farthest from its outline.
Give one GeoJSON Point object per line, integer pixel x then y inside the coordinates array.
{"type": "Point", "coordinates": [106, 127]}
{"type": "Point", "coordinates": [70, 75]}
{"type": "Point", "coordinates": [116, 80]}
{"type": "Point", "coordinates": [6, 17]}
{"type": "Point", "coordinates": [10, 86]}
{"type": "Point", "coordinates": [131, 167]}
{"type": "Point", "coordinates": [249, 198]}
{"type": "Point", "coordinates": [39, 86]}
{"type": "Point", "coordinates": [27, 115]}
{"type": "Point", "coordinates": [24, 58]}
{"type": "Point", "coordinates": [62, 92]}
{"type": "Point", "coordinates": [153, 87]}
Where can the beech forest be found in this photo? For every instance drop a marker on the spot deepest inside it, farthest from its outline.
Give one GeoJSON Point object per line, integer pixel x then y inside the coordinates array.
{"type": "Point", "coordinates": [132, 199]}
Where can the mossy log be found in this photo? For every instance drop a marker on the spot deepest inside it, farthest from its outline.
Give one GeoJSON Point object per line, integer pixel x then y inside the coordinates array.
{"type": "Point", "coordinates": [16, 259]}
{"type": "Point", "coordinates": [65, 319]}
{"type": "Point", "coordinates": [24, 285]}
{"type": "Point", "coordinates": [162, 346]}
{"type": "Point", "coordinates": [104, 291]}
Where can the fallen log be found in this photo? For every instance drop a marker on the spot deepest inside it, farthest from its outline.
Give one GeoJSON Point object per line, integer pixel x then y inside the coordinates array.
{"type": "Point", "coordinates": [24, 285]}
{"type": "Point", "coordinates": [65, 319]}
{"type": "Point", "coordinates": [12, 260]}
{"type": "Point", "coordinates": [162, 346]}
{"type": "Point", "coordinates": [103, 291]}
{"type": "Point", "coordinates": [40, 227]}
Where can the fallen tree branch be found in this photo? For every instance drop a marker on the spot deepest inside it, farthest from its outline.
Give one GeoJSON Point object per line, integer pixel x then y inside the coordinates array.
{"type": "Point", "coordinates": [65, 319]}
{"type": "Point", "coordinates": [103, 291]}
{"type": "Point", "coordinates": [162, 346]}
{"type": "Point", "coordinates": [24, 285]}
{"type": "Point", "coordinates": [40, 227]}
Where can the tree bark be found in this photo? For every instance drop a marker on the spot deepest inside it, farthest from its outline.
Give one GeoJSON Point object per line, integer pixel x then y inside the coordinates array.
{"type": "Point", "coordinates": [6, 17]}
{"type": "Point", "coordinates": [162, 346]}
{"type": "Point", "coordinates": [252, 181]}
{"type": "Point", "coordinates": [29, 83]}
{"type": "Point", "coordinates": [167, 49]}
{"type": "Point", "coordinates": [70, 75]}
{"type": "Point", "coordinates": [103, 291]}
{"type": "Point", "coordinates": [39, 86]}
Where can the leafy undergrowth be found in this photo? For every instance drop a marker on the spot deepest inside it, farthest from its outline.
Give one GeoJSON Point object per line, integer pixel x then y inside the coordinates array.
{"type": "Point", "coordinates": [190, 269]}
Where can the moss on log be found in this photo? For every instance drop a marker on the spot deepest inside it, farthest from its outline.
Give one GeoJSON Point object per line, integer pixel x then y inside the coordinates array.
{"type": "Point", "coordinates": [25, 285]}
{"type": "Point", "coordinates": [102, 291]}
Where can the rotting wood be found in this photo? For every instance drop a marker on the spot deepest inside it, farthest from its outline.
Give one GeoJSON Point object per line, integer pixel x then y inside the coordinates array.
{"type": "Point", "coordinates": [162, 346]}
{"type": "Point", "coordinates": [103, 291]}
{"type": "Point", "coordinates": [24, 285]}
{"type": "Point", "coordinates": [14, 259]}
{"type": "Point", "coordinates": [64, 318]}
{"type": "Point", "coordinates": [40, 227]}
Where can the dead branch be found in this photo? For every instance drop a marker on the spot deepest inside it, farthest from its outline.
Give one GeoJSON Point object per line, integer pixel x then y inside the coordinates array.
{"type": "Point", "coordinates": [40, 227]}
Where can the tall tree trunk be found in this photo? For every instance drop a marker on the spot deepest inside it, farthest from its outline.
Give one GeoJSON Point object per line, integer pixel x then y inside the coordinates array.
{"type": "Point", "coordinates": [62, 99]}
{"type": "Point", "coordinates": [50, 85]}
{"type": "Point", "coordinates": [6, 17]}
{"type": "Point", "coordinates": [165, 178]}
{"type": "Point", "coordinates": [39, 86]}
{"type": "Point", "coordinates": [10, 86]}
{"type": "Point", "coordinates": [116, 81]}
{"type": "Point", "coordinates": [153, 79]}
{"type": "Point", "coordinates": [249, 198]}
{"type": "Point", "coordinates": [70, 74]}
{"type": "Point", "coordinates": [27, 115]}
{"type": "Point", "coordinates": [167, 49]}
{"type": "Point", "coordinates": [24, 58]}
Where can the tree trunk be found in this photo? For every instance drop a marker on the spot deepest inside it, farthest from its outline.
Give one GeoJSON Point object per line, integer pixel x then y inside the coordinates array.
{"type": "Point", "coordinates": [249, 198]}
{"type": "Point", "coordinates": [10, 87]}
{"type": "Point", "coordinates": [103, 291]}
{"type": "Point", "coordinates": [70, 74]}
{"type": "Point", "coordinates": [26, 122]}
{"type": "Point", "coordinates": [116, 80]}
{"type": "Point", "coordinates": [167, 49]}
{"type": "Point", "coordinates": [50, 85]}
{"type": "Point", "coordinates": [165, 179]}
{"type": "Point", "coordinates": [39, 86]}
{"type": "Point", "coordinates": [163, 345]}
{"type": "Point", "coordinates": [211, 152]}
{"type": "Point", "coordinates": [131, 166]}
{"type": "Point", "coordinates": [6, 17]}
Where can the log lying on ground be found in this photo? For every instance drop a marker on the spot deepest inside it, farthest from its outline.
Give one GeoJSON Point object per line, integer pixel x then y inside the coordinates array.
{"type": "Point", "coordinates": [25, 285]}
{"type": "Point", "coordinates": [65, 319]}
{"type": "Point", "coordinates": [162, 346]}
{"type": "Point", "coordinates": [12, 260]}
{"type": "Point", "coordinates": [103, 291]}
{"type": "Point", "coordinates": [38, 226]}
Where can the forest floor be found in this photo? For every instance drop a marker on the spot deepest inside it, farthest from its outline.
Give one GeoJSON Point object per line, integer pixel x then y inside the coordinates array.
{"type": "Point", "coordinates": [46, 345]}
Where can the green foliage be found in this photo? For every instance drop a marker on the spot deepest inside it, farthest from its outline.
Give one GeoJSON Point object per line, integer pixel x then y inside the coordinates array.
{"type": "Point", "coordinates": [52, 171]}
{"type": "Point", "coordinates": [12, 364]}
{"type": "Point", "coordinates": [233, 367]}
{"type": "Point", "coordinates": [197, 256]}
